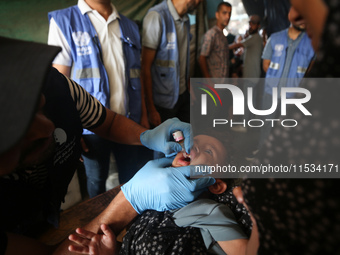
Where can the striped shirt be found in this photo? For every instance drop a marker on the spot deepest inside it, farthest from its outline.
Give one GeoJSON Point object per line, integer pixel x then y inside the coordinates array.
{"type": "Point", "coordinates": [92, 113]}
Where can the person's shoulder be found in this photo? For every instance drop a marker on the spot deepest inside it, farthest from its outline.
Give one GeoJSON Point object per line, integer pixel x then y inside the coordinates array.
{"type": "Point", "coordinates": [151, 20]}
{"type": "Point", "coordinates": [152, 15]}
{"type": "Point", "coordinates": [212, 31]}
{"type": "Point", "coordinates": [56, 80]}
{"type": "Point", "coordinates": [127, 20]}
{"type": "Point", "coordinates": [258, 38]}
{"type": "Point", "coordinates": [279, 33]}
{"type": "Point", "coordinates": [159, 7]}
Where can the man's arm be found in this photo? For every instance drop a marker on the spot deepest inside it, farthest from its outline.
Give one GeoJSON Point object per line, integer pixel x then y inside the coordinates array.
{"type": "Point", "coordinates": [205, 52]}
{"type": "Point", "coordinates": [234, 247]}
{"type": "Point", "coordinates": [235, 46]}
{"type": "Point", "coordinates": [65, 70]}
{"type": "Point", "coordinates": [151, 38]}
{"type": "Point", "coordinates": [110, 125]}
{"type": "Point", "coordinates": [267, 55]}
{"type": "Point", "coordinates": [148, 56]}
{"type": "Point", "coordinates": [120, 129]}
{"type": "Point", "coordinates": [144, 117]}
{"type": "Point", "coordinates": [63, 60]}
{"type": "Point", "coordinates": [265, 64]}
{"type": "Point", "coordinates": [204, 66]}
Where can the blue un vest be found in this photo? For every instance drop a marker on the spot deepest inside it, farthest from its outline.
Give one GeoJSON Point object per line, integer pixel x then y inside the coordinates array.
{"type": "Point", "coordinates": [301, 59]}
{"type": "Point", "coordinates": [165, 69]}
{"type": "Point", "coordinates": [88, 69]}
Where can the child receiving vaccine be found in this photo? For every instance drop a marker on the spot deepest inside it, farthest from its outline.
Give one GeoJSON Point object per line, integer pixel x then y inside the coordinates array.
{"type": "Point", "coordinates": [215, 223]}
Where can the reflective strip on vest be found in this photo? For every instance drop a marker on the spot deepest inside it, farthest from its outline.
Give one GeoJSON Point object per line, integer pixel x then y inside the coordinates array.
{"type": "Point", "coordinates": [87, 73]}
{"type": "Point", "coordinates": [274, 66]}
{"type": "Point", "coordinates": [134, 73]}
{"type": "Point", "coordinates": [165, 63]}
{"type": "Point", "coordinates": [301, 69]}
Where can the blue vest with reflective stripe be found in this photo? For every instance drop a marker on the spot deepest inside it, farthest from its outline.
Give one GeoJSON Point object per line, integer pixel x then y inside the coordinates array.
{"type": "Point", "coordinates": [165, 69]}
{"type": "Point", "coordinates": [302, 57]}
{"type": "Point", "coordinates": [88, 69]}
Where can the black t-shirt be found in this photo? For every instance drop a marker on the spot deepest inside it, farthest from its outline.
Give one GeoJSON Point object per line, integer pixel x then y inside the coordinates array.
{"type": "Point", "coordinates": [32, 196]}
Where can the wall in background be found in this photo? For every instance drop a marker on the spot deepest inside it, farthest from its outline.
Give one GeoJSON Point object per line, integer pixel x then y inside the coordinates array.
{"type": "Point", "coordinates": [27, 19]}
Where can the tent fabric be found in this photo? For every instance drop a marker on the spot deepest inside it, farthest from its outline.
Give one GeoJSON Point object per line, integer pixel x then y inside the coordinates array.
{"type": "Point", "coordinates": [253, 7]}
{"type": "Point", "coordinates": [277, 15]}
{"type": "Point", "coordinates": [134, 10]}
{"type": "Point", "coordinates": [273, 12]}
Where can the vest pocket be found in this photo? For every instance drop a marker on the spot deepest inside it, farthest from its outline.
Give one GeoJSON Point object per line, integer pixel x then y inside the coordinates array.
{"type": "Point", "coordinates": [87, 73]}
{"type": "Point", "coordinates": [166, 80]}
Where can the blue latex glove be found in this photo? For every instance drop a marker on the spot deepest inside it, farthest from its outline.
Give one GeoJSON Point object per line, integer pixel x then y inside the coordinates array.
{"type": "Point", "coordinates": [159, 138]}
{"type": "Point", "coordinates": [161, 188]}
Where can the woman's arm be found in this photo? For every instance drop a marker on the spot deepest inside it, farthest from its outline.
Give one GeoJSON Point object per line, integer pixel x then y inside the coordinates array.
{"type": "Point", "coordinates": [234, 247]}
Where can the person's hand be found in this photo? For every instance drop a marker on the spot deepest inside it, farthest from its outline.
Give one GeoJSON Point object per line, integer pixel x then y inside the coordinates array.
{"type": "Point", "coordinates": [158, 139]}
{"type": "Point", "coordinates": [155, 118]}
{"type": "Point", "coordinates": [87, 242]}
{"type": "Point", "coordinates": [161, 188]}
{"type": "Point", "coordinates": [144, 122]}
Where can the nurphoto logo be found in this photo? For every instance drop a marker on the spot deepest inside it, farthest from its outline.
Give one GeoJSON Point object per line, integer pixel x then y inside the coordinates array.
{"type": "Point", "coordinates": [238, 106]}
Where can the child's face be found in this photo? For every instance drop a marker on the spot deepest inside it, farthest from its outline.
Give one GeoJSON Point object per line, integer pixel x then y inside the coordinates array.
{"type": "Point", "coordinates": [206, 150]}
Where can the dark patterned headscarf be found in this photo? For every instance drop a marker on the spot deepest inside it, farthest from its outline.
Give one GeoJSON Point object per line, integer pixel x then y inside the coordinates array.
{"type": "Point", "coordinates": [302, 216]}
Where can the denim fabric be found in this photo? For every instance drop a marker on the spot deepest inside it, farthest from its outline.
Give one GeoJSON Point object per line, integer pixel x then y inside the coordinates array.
{"type": "Point", "coordinates": [129, 159]}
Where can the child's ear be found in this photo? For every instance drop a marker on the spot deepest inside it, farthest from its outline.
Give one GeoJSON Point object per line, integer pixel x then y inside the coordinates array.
{"type": "Point", "coordinates": [218, 187]}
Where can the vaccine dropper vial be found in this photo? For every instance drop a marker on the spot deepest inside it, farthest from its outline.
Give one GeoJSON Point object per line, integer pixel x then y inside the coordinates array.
{"type": "Point", "coordinates": [179, 138]}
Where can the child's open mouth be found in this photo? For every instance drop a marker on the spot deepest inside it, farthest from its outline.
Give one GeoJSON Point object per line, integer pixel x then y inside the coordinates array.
{"type": "Point", "coordinates": [184, 160]}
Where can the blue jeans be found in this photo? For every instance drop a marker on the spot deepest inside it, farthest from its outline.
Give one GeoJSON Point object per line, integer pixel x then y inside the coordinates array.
{"type": "Point", "coordinates": [129, 159]}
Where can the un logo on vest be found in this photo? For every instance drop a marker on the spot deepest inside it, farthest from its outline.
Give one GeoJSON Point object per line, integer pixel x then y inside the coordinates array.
{"type": "Point", "coordinates": [278, 49]}
{"type": "Point", "coordinates": [171, 37]}
{"type": "Point", "coordinates": [81, 38]}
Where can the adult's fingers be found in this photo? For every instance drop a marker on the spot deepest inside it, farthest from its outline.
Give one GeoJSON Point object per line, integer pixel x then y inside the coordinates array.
{"type": "Point", "coordinates": [161, 162]}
